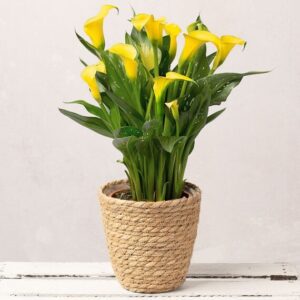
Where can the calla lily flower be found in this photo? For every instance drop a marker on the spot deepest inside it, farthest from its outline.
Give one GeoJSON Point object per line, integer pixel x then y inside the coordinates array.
{"type": "Point", "coordinates": [173, 31]}
{"type": "Point", "coordinates": [147, 55]}
{"type": "Point", "coordinates": [153, 27]}
{"type": "Point", "coordinates": [128, 54]}
{"type": "Point", "coordinates": [174, 108]}
{"type": "Point", "coordinates": [161, 83]}
{"type": "Point", "coordinates": [93, 27]}
{"type": "Point", "coordinates": [227, 43]}
{"type": "Point", "coordinates": [194, 40]}
{"type": "Point", "coordinates": [88, 75]}
{"type": "Point", "coordinates": [140, 20]}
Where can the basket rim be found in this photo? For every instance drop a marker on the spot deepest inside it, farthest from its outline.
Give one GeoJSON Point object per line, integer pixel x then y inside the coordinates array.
{"type": "Point", "coordinates": [191, 189]}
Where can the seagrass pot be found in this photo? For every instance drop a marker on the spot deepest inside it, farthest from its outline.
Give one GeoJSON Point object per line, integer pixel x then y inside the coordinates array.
{"type": "Point", "coordinates": [150, 243]}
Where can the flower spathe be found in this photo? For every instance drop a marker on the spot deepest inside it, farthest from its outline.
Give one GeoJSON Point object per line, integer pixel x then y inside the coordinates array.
{"type": "Point", "coordinates": [128, 55]}
{"type": "Point", "coordinates": [89, 76]}
{"type": "Point", "coordinates": [147, 55]}
{"type": "Point", "coordinates": [140, 20]}
{"type": "Point", "coordinates": [173, 30]}
{"type": "Point", "coordinates": [93, 27]}
{"type": "Point", "coordinates": [174, 108]}
{"type": "Point", "coordinates": [161, 83]}
{"type": "Point", "coordinates": [153, 27]}
{"type": "Point", "coordinates": [193, 41]}
{"type": "Point", "coordinates": [227, 43]}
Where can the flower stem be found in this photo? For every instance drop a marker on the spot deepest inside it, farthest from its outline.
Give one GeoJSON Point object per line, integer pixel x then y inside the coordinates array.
{"type": "Point", "coordinates": [149, 106]}
{"type": "Point", "coordinates": [156, 68]}
{"type": "Point", "coordinates": [184, 85]}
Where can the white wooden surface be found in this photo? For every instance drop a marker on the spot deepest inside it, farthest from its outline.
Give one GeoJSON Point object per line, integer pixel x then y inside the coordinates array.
{"type": "Point", "coordinates": [96, 281]}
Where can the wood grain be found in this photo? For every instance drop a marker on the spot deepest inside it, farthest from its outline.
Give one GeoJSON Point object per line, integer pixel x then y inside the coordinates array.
{"type": "Point", "coordinates": [96, 281]}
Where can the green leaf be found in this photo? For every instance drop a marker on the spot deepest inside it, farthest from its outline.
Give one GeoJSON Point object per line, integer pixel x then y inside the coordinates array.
{"type": "Point", "coordinates": [165, 62]}
{"type": "Point", "coordinates": [88, 46]}
{"type": "Point", "coordinates": [222, 94]}
{"type": "Point", "coordinates": [127, 109]}
{"type": "Point", "coordinates": [92, 109]}
{"type": "Point", "coordinates": [127, 131]}
{"type": "Point", "coordinates": [168, 142]}
{"type": "Point", "coordinates": [222, 84]}
{"type": "Point", "coordinates": [201, 65]}
{"type": "Point", "coordinates": [118, 81]}
{"type": "Point", "coordinates": [194, 119]}
{"type": "Point", "coordinates": [213, 116]}
{"type": "Point", "coordinates": [150, 127]}
{"type": "Point", "coordinates": [121, 143]}
{"type": "Point", "coordinates": [92, 123]}
{"type": "Point", "coordinates": [210, 58]}
{"type": "Point", "coordinates": [115, 116]}
{"type": "Point", "coordinates": [83, 62]}
{"type": "Point", "coordinates": [101, 79]}
{"type": "Point", "coordinates": [143, 146]}
{"type": "Point", "coordinates": [125, 144]}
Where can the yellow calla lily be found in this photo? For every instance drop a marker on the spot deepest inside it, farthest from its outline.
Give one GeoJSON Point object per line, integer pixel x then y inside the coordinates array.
{"type": "Point", "coordinates": [88, 75]}
{"type": "Point", "coordinates": [93, 27]}
{"type": "Point", "coordinates": [140, 20]}
{"type": "Point", "coordinates": [153, 27]}
{"type": "Point", "coordinates": [161, 83]}
{"type": "Point", "coordinates": [194, 40]}
{"type": "Point", "coordinates": [147, 55]}
{"type": "Point", "coordinates": [173, 31]}
{"type": "Point", "coordinates": [128, 54]}
{"type": "Point", "coordinates": [174, 108]}
{"type": "Point", "coordinates": [227, 43]}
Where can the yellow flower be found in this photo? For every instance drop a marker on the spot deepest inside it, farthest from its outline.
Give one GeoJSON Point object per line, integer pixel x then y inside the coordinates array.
{"type": "Point", "coordinates": [147, 55]}
{"type": "Point", "coordinates": [173, 31]}
{"type": "Point", "coordinates": [153, 27]}
{"type": "Point", "coordinates": [174, 108]}
{"type": "Point", "coordinates": [128, 54]}
{"type": "Point", "coordinates": [139, 21]}
{"type": "Point", "coordinates": [93, 27]}
{"type": "Point", "coordinates": [193, 41]}
{"type": "Point", "coordinates": [162, 83]}
{"type": "Point", "coordinates": [227, 43]}
{"type": "Point", "coordinates": [88, 75]}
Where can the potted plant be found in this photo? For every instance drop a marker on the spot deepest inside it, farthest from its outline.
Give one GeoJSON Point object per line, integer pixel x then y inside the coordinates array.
{"type": "Point", "coordinates": [153, 109]}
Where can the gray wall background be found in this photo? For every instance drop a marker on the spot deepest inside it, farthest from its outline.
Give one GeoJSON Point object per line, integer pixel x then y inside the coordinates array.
{"type": "Point", "coordinates": [246, 162]}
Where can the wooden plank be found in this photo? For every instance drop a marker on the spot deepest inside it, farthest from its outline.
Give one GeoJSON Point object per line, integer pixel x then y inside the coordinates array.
{"type": "Point", "coordinates": [96, 281]}
{"type": "Point", "coordinates": [280, 271]}
{"type": "Point", "coordinates": [111, 288]}
{"type": "Point", "coordinates": [150, 298]}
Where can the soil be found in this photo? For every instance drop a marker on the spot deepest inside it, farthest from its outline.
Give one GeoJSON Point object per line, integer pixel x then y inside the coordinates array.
{"type": "Point", "coordinates": [126, 195]}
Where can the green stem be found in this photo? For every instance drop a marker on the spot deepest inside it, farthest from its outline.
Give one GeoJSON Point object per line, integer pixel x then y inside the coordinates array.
{"type": "Point", "coordinates": [185, 83]}
{"type": "Point", "coordinates": [160, 177]}
{"type": "Point", "coordinates": [149, 106]}
{"type": "Point", "coordinates": [176, 84]}
{"type": "Point", "coordinates": [138, 99]}
{"type": "Point", "coordinates": [156, 67]}
{"type": "Point", "coordinates": [177, 128]}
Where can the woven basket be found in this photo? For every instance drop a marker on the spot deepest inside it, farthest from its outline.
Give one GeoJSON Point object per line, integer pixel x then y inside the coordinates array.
{"type": "Point", "coordinates": [150, 243]}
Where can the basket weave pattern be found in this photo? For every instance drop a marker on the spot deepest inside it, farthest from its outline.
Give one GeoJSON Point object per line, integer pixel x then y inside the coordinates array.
{"type": "Point", "coordinates": [150, 243]}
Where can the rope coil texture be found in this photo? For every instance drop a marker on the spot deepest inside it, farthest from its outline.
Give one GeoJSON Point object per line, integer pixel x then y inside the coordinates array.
{"type": "Point", "coordinates": [150, 243]}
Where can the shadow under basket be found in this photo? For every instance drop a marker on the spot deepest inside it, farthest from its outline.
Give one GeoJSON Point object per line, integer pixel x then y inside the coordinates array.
{"type": "Point", "coordinates": [150, 243]}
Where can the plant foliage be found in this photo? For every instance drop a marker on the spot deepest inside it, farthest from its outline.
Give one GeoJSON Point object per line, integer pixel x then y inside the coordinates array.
{"type": "Point", "coordinates": [152, 107]}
